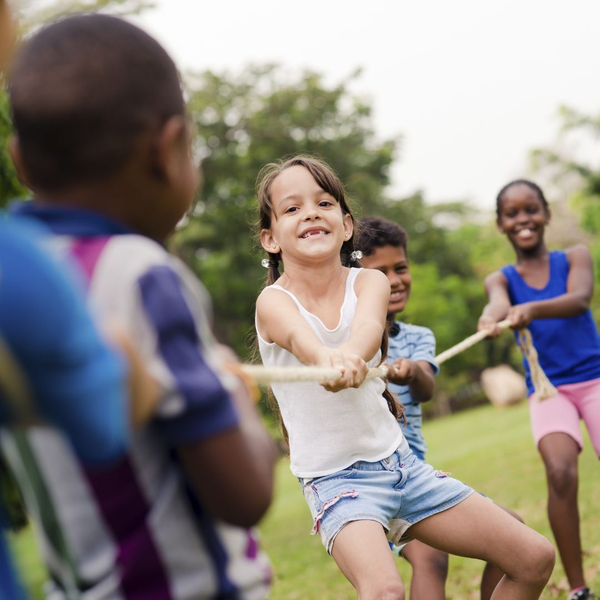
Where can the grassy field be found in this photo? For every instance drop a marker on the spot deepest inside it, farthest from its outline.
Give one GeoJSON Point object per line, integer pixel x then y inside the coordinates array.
{"type": "Point", "coordinates": [489, 449]}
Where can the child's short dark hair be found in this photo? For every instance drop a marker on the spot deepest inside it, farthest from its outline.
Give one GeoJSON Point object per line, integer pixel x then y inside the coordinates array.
{"type": "Point", "coordinates": [376, 232]}
{"type": "Point", "coordinates": [83, 91]}
{"type": "Point", "coordinates": [530, 184]}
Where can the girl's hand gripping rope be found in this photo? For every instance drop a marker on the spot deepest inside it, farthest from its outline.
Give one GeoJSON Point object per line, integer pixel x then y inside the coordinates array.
{"type": "Point", "coordinates": [520, 315]}
{"type": "Point", "coordinates": [352, 367]}
{"type": "Point", "coordinates": [490, 325]}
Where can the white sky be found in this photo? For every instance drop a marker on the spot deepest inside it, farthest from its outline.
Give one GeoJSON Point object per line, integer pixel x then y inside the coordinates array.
{"type": "Point", "coordinates": [472, 85]}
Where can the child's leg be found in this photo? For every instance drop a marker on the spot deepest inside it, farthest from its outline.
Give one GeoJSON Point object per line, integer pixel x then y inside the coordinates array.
{"type": "Point", "coordinates": [429, 571]}
{"type": "Point", "coordinates": [492, 574]}
{"type": "Point", "coordinates": [557, 432]}
{"type": "Point", "coordinates": [477, 528]}
{"type": "Point", "coordinates": [560, 453]}
{"type": "Point", "coordinates": [362, 553]}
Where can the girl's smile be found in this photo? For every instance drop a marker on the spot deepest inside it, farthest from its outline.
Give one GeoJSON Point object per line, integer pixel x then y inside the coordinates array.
{"type": "Point", "coordinates": [312, 232]}
{"type": "Point", "coordinates": [523, 217]}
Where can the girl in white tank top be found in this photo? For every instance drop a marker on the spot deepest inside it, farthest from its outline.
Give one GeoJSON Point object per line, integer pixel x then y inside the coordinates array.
{"type": "Point", "coordinates": [359, 477]}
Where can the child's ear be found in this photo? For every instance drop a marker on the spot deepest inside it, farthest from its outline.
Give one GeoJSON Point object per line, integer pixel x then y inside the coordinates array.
{"type": "Point", "coordinates": [499, 226]}
{"type": "Point", "coordinates": [267, 241]}
{"type": "Point", "coordinates": [14, 149]}
{"type": "Point", "coordinates": [348, 226]}
{"type": "Point", "coordinates": [166, 154]}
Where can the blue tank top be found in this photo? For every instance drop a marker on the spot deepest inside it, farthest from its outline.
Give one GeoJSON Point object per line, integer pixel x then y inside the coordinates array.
{"type": "Point", "coordinates": [568, 349]}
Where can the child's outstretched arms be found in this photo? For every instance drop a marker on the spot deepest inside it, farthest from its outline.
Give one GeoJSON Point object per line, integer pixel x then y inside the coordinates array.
{"type": "Point", "coordinates": [576, 300]}
{"type": "Point", "coordinates": [280, 321]}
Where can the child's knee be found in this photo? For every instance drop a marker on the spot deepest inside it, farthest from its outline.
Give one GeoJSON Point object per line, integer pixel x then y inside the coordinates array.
{"type": "Point", "coordinates": [430, 560]}
{"type": "Point", "coordinates": [539, 562]}
{"type": "Point", "coordinates": [562, 478]}
{"type": "Point", "coordinates": [391, 590]}
{"type": "Point", "coordinates": [438, 563]}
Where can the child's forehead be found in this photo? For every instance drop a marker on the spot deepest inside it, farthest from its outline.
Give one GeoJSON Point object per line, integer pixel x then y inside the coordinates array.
{"type": "Point", "coordinates": [294, 181]}
{"type": "Point", "coordinates": [520, 192]}
{"type": "Point", "coordinates": [385, 256]}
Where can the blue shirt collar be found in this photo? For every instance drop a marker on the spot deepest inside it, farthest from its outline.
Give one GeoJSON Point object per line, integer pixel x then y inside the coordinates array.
{"type": "Point", "coordinates": [67, 220]}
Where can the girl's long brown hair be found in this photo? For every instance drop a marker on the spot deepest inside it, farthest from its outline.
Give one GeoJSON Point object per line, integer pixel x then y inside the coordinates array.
{"type": "Point", "coordinates": [330, 183]}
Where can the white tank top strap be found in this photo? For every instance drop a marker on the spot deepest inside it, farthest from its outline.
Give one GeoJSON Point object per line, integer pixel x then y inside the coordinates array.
{"type": "Point", "coordinates": [296, 301]}
{"type": "Point", "coordinates": [350, 298]}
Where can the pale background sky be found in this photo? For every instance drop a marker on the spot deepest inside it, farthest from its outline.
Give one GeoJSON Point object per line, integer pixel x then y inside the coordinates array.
{"type": "Point", "coordinates": [471, 85]}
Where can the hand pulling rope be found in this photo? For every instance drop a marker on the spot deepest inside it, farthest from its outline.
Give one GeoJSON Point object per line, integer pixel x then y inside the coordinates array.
{"type": "Point", "coordinates": [543, 388]}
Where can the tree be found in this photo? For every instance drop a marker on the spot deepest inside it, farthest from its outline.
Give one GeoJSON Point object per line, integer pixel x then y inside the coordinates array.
{"type": "Point", "coordinates": [29, 20]}
{"type": "Point", "coordinates": [582, 178]}
{"type": "Point", "coordinates": [9, 183]}
{"type": "Point", "coordinates": [35, 16]}
{"type": "Point", "coordinates": [244, 122]}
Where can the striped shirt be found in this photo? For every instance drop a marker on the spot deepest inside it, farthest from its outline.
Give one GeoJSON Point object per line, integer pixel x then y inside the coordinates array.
{"type": "Point", "coordinates": [132, 531]}
{"type": "Point", "coordinates": [415, 343]}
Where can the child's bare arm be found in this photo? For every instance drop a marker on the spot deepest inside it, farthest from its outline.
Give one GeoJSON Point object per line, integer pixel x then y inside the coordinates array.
{"type": "Point", "coordinates": [232, 472]}
{"type": "Point", "coordinates": [498, 306]}
{"type": "Point", "coordinates": [280, 321]}
{"type": "Point", "coordinates": [418, 375]}
{"type": "Point", "coordinates": [580, 287]}
{"type": "Point", "coordinates": [373, 290]}
{"type": "Point", "coordinates": [143, 389]}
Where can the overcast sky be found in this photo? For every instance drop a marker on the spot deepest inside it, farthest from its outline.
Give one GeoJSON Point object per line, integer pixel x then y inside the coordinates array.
{"type": "Point", "coordinates": [471, 85]}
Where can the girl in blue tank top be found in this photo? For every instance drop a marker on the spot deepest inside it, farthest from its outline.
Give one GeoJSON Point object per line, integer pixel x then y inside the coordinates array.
{"type": "Point", "coordinates": [549, 293]}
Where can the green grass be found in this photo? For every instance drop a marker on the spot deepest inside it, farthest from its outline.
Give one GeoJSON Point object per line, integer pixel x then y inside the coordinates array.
{"type": "Point", "coordinates": [488, 448]}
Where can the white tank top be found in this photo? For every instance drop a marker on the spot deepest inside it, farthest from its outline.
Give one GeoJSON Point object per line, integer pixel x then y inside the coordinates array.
{"type": "Point", "coordinates": [330, 431]}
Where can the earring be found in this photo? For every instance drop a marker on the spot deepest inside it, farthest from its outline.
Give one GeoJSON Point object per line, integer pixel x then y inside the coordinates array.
{"type": "Point", "coordinates": [265, 263]}
{"type": "Point", "coordinates": [356, 255]}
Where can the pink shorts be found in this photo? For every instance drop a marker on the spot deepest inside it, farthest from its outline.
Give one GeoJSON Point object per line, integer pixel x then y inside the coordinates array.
{"type": "Point", "coordinates": [562, 413]}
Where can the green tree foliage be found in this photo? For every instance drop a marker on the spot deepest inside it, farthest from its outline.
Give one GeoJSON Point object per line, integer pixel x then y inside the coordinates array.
{"type": "Point", "coordinates": [28, 21]}
{"type": "Point", "coordinates": [244, 122]}
{"type": "Point", "coordinates": [561, 165]}
{"type": "Point", "coordinates": [43, 12]}
{"type": "Point", "coordinates": [9, 184]}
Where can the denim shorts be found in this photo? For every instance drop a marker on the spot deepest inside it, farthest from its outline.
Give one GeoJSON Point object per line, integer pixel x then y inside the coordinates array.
{"type": "Point", "coordinates": [397, 492]}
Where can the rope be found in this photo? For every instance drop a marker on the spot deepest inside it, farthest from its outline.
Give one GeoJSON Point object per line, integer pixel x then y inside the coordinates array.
{"type": "Point", "coordinates": [266, 375]}
{"type": "Point", "coordinates": [467, 343]}
{"type": "Point", "coordinates": [543, 388]}
{"type": "Point", "coordinates": [541, 384]}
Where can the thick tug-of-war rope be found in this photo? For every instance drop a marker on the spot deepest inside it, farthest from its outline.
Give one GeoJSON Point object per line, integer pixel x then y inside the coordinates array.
{"type": "Point", "coordinates": [266, 375]}
{"type": "Point", "coordinates": [543, 388]}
